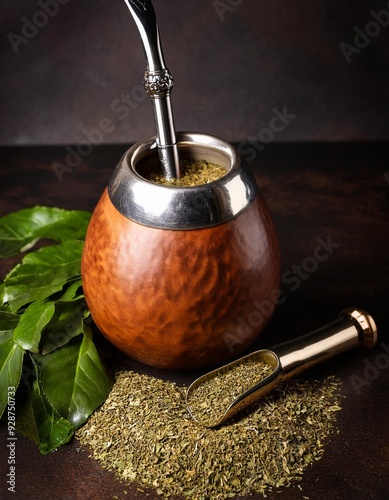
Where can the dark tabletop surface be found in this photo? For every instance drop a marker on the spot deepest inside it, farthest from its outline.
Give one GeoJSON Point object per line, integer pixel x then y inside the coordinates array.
{"type": "Point", "coordinates": [336, 192]}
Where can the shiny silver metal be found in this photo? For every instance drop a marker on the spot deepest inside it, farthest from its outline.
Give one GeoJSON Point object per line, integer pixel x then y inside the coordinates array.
{"type": "Point", "coordinates": [172, 207]}
{"type": "Point", "coordinates": [158, 83]}
{"type": "Point", "coordinates": [353, 328]}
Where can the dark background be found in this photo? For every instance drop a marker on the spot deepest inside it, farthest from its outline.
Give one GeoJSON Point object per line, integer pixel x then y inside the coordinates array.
{"type": "Point", "coordinates": [325, 175]}
{"type": "Point", "coordinates": [231, 65]}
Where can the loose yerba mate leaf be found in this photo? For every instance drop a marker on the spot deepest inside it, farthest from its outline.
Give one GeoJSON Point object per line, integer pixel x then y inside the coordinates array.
{"type": "Point", "coordinates": [209, 401]}
{"type": "Point", "coordinates": [74, 379]}
{"type": "Point", "coordinates": [144, 434]}
{"type": "Point", "coordinates": [193, 173]}
{"type": "Point", "coordinates": [20, 230]}
{"type": "Point", "coordinates": [42, 273]}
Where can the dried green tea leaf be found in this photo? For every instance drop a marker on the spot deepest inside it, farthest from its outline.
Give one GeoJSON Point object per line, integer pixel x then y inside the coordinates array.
{"type": "Point", "coordinates": [20, 230]}
{"type": "Point", "coordinates": [144, 434]}
{"type": "Point", "coordinates": [209, 401]}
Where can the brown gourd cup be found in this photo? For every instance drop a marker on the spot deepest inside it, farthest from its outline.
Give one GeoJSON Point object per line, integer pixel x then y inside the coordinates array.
{"type": "Point", "coordinates": [181, 277]}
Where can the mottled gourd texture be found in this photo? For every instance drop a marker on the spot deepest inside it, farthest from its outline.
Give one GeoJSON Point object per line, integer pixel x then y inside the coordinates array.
{"type": "Point", "coordinates": [181, 299]}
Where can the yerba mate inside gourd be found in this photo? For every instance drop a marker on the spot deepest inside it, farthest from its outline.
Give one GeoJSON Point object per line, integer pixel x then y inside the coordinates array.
{"type": "Point", "coordinates": [193, 173]}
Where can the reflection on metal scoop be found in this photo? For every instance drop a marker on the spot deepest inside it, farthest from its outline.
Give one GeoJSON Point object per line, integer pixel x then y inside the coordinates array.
{"type": "Point", "coordinates": [353, 328]}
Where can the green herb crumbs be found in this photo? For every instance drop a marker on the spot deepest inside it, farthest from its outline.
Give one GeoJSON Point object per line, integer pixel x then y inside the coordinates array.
{"type": "Point", "coordinates": [209, 401]}
{"type": "Point", "coordinates": [144, 434]}
{"type": "Point", "coordinates": [193, 173]}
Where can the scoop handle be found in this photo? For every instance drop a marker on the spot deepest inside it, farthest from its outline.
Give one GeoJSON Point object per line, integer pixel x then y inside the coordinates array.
{"type": "Point", "coordinates": [158, 83]}
{"type": "Point", "coordinates": [353, 328]}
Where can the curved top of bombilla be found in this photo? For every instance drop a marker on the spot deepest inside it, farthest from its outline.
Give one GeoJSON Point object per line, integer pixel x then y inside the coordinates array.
{"type": "Point", "coordinates": [158, 84]}
{"type": "Point", "coordinates": [144, 16]}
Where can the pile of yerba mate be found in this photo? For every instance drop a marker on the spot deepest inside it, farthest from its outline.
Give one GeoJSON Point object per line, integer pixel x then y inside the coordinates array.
{"type": "Point", "coordinates": [144, 434]}
{"type": "Point", "coordinates": [193, 173]}
{"type": "Point", "coordinates": [209, 401]}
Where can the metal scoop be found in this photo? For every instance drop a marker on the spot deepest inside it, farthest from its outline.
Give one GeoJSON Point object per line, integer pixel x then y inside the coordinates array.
{"type": "Point", "coordinates": [353, 328]}
{"type": "Point", "coordinates": [158, 83]}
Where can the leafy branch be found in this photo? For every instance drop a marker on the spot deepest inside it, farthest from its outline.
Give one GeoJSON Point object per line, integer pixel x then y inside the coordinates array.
{"type": "Point", "coordinates": [47, 350]}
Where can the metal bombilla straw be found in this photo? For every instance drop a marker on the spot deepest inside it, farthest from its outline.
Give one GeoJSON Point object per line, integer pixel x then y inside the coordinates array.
{"type": "Point", "coordinates": [158, 83]}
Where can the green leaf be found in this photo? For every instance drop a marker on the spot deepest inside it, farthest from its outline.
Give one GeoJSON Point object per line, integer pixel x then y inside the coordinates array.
{"type": "Point", "coordinates": [28, 332]}
{"type": "Point", "coordinates": [72, 291]}
{"type": "Point", "coordinates": [42, 307]}
{"type": "Point", "coordinates": [20, 230]}
{"type": "Point", "coordinates": [66, 323]}
{"type": "Point", "coordinates": [42, 273]}
{"type": "Point", "coordinates": [74, 379]}
{"type": "Point", "coordinates": [8, 323]}
{"type": "Point", "coordinates": [11, 361]}
{"type": "Point", "coordinates": [52, 429]}
{"type": "Point", "coordinates": [3, 307]}
{"type": "Point", "coordinates": [25, 418]}
{"type": "Point", "coordinates": [37, 419]}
